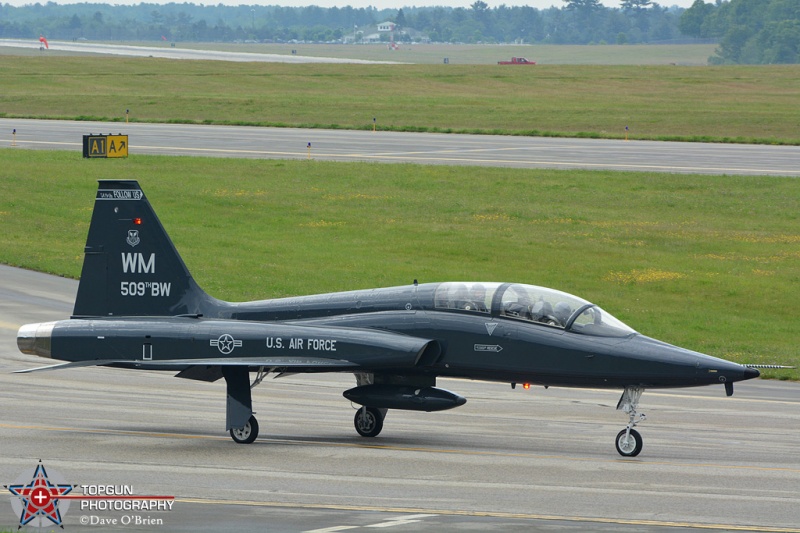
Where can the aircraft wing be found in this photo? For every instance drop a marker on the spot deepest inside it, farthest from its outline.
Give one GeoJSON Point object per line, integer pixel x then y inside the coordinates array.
{"type": "Point", "coordinates": [297, 363]}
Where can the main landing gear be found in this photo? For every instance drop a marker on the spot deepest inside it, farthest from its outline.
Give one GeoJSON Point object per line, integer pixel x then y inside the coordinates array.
{"type": "Point", "coordinates": [239, 419]}
{"type": "Point", "coordinates": [246, 434]}
{"type": "Point", "coordinates": [629, 442]}
{"type": "Point", "coordinates": [369, 421]}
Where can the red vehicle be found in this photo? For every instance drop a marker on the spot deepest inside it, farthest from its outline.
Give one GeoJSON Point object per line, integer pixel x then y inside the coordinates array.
{"type": "Point", "coordinates": [517, 61]}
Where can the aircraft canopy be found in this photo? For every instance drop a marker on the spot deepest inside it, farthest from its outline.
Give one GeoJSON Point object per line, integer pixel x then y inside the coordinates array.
{"type": "Point", "coordinates": [530, 303]}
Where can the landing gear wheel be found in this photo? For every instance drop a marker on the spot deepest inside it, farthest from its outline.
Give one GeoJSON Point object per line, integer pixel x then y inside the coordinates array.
{"type": "Point", "coordinates": [629, 445]}
{"type": "Point", "coordinates": [247, 434]}
{"type": "Point", "coordinates": [368, 421]}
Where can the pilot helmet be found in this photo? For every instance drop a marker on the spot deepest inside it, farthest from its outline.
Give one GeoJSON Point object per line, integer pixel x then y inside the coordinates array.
{"type": "Point", "coordinates": [562, 311]}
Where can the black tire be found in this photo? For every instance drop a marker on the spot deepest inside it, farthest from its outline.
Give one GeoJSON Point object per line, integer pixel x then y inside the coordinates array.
{"type": "Point", "coordinates": [247, 434]}
{"type": "Point", "coordinates": [368, 421]}
{"type": "Point", "coordinates": [631, 446]}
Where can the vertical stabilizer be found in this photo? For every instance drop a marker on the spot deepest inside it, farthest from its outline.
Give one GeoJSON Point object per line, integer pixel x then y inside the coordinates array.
{"type": "Point", "coordinates": [131, 267]}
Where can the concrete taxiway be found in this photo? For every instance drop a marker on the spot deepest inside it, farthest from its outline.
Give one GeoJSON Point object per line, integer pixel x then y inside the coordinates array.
{"type": "Point", "coordinates": [178, 53]}
{"type": "Point", "coordinates": [418, 148]}
{"type": "Point", "coordinates": [509, 460]}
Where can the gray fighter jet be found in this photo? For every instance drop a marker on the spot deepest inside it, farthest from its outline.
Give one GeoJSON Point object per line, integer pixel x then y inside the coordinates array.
{"type": "Point", "coordinates": [138, 307]}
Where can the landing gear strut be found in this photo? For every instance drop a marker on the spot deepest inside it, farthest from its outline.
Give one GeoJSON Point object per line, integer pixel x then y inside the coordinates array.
{"type": "Point", "coordinates": [239, 419]}
{"type": "Point", "coordinates": [369, 421]}
{"type": "Point", "coordinates": [629, 442]}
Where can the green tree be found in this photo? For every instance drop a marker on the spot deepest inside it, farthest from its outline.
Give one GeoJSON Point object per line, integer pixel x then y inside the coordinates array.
{"type": "Point", "coordinates": [479, 5]}
{"type": "Point", "coordinates": [783, 10]}
{"type": "Point", "coordinates": [756, 31]}
{"type": "Point", "coordinates": [693, 20]}
{"type": "Point", "coordinates": [583, 5]}
{"type": "Point", "coordinates": [732, 44]}
{"type": "Point", "coordinates": [400, 19]}
{"type": "Point", "coordinates": [635, 5]}
{"type": "Point", "coordinates": [780, 42]}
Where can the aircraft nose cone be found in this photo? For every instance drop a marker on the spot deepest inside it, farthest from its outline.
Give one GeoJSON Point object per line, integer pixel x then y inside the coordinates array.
{"type": "Point", "coordinates": [751, 373]}
{"type": "Point", "coordinates": [733, 372]}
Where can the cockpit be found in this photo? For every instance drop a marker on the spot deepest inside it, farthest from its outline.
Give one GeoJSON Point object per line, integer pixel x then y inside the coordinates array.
{"type": "Point", "coordinates": [530, 303]}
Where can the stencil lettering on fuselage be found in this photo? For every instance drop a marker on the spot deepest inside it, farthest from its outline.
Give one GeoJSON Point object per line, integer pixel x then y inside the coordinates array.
{"type": "Point", "coordinates": [295, 343]}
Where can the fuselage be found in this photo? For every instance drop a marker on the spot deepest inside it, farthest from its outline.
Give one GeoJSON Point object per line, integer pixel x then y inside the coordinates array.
{"type": "Point", "coordinates": [489, 331]}
{"type": "Point", "coordinates": [509, 332]}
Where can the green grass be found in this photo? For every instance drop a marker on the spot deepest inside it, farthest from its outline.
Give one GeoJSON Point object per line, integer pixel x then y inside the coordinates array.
{"type": "Point", "coordinates": [457, 54]}
{"type": "Point", "coordinates": [710, 263]}
{"type": "Point", "coordinates": [721, 104]}
{"type": "Point", "coordinates": [475, 54]}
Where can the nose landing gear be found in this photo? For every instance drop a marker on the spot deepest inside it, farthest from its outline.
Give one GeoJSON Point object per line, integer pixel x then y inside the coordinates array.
{"type": "Point", "coordinates": [629, 441]}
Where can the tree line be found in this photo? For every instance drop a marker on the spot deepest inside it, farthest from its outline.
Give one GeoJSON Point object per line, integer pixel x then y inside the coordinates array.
{"type": "Point", "coordinates": [748, 31]}
{"type": "Point", "coordinates": [637, 21]}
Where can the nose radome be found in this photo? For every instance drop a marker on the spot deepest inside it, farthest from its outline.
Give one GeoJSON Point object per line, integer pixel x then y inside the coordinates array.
{"type": "Point", "coordinates": [750, 373]}
{"type": "Point", "coordinates": [736, 372]}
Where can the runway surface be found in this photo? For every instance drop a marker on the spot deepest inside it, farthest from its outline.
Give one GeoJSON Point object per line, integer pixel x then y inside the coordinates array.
{"type": "Point", "coordinates": [509, 460]}
{"type": "Point", "coordinates": [175, 53]}
{"type": "Point", "coordinates": [421, 148]}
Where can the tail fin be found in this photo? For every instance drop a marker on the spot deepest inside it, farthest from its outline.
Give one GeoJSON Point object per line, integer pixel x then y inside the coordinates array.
{"type": "Point", "coordinates": [131, 267]}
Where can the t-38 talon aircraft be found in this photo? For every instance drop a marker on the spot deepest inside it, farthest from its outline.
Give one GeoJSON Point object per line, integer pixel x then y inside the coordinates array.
{"type": "Point", "coordinates": [138, 307]}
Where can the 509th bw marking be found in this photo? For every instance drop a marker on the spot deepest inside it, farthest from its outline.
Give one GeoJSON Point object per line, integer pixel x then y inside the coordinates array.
{"type": "Point", "coordinates": [145, 288]}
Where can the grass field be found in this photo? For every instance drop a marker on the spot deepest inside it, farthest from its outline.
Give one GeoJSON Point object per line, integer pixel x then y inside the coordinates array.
{"type": "Point", "coordinates": [466, 54]}
{"type": "Point", "coordinates": [710, 263]}
{"type": "Point", "coordinates": [456, 54]}
{"type": "Point", "coordinates": [741, 104]}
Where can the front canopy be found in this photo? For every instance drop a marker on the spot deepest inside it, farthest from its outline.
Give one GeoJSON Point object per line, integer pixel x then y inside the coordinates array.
{"type": "Point", "coordinates": [530, 303]}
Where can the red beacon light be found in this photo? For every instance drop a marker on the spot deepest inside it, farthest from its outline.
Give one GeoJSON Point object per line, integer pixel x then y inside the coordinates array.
{"type": "Point", "coordinates": [137, 221]}
{"type": "Point", "coordinates": [526, 386]}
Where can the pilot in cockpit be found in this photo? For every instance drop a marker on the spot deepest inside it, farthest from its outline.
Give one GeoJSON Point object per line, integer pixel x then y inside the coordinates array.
{"type": "Point", "coordinates": [562, 312]}
{"type": "Point", "coordinates": [477, 299]}
{"type": "Point", "coordinates": [521, 308]}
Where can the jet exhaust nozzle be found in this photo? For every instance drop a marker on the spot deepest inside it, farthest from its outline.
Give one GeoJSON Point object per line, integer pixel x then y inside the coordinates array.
{"type": "Point", "coordinates": [35, 339]}
{"type": "Point", "coordinates": [404, 397]}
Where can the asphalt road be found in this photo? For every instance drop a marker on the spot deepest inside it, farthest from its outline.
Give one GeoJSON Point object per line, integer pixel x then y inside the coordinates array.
{"type": "Point", "coordinates": [421, 148]}
{"type": "Point", "coordinates": [509, 460]}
